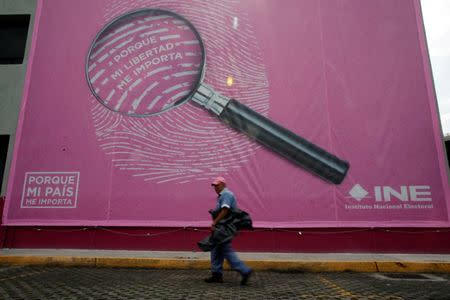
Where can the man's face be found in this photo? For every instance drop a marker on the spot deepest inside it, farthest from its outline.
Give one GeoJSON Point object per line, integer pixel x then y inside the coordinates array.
{"type": "Point", "coordinates": [219, 187]}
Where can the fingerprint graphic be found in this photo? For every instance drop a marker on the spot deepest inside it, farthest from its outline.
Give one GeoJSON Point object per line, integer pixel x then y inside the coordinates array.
{"type": "Point", "coordinates": [185, 143]}
{"type": "Point", "coordinates": [145, 62]}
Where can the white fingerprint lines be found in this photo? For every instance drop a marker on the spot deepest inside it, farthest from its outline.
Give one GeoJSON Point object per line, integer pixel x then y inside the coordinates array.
{"type": "Point", "coordinates": [187, 144]}
{"type": "Point", "coordinates": [127, 90]}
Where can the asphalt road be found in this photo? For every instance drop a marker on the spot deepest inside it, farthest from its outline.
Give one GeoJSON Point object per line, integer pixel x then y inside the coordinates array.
{"type": "Point", "coordinates": [43, 282]}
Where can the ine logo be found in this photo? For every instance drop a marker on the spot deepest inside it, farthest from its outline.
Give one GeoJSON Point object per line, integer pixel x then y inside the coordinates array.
{"type": "Point", "coordinates": [403, 193]}
{"type": "Point", "coordinates": [358, 192]}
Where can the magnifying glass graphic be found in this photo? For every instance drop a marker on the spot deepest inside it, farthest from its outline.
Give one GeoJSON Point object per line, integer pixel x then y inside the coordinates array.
{"type": "Point", "coordinates": [148, 61]}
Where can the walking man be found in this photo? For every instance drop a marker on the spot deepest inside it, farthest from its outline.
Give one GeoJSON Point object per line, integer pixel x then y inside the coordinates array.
{"type": "Point", "coordinates": [225, 202]}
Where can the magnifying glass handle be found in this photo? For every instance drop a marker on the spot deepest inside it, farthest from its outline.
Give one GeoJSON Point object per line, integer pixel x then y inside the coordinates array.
{"type": "Point", "coordinates": [278, 139]}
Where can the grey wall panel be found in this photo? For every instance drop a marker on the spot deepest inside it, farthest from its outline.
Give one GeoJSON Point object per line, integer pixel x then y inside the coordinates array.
{"type": "Point", "coordinates": [11, 81]}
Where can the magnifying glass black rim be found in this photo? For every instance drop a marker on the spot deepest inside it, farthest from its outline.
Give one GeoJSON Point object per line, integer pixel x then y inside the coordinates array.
{"type": "Point", "coordinates": [145, 11]}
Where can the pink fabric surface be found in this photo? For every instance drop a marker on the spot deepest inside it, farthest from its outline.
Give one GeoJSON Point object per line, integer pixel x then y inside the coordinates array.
{"type": "Point", "coordinates": [351, 77]}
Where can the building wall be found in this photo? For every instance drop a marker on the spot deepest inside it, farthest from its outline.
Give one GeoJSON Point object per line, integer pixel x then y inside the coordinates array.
{"type": "Point", "coordinates": [11, 82]}
{"type": "Point", "coordinates": [431, 240]}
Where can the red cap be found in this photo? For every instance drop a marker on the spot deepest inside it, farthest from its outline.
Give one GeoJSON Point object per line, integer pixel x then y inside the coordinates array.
{"type": "Point", "coordinates": [218, 180]}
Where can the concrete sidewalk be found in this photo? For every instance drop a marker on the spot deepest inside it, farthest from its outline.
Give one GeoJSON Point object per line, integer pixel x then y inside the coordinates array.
{"type": "Point", "coordinates": [307, 262]}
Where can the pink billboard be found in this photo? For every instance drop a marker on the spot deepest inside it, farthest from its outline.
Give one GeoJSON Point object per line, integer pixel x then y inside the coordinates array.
{"type": "Point", "coordinates": [317, 113]}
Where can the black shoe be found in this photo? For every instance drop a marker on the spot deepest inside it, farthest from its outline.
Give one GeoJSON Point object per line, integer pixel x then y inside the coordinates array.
{"type": "Point", "coordinates": [245, 277]}
{"type": "Point", "coordinates": [215, 277]}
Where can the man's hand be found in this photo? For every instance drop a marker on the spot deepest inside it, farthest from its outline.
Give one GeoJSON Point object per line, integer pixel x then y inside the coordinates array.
{"type": "Point", "coordinates": [222, 214]}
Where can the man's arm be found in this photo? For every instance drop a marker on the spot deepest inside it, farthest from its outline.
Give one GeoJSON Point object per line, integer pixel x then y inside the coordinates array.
{"type": "Point", "coordinates": [222, 214]}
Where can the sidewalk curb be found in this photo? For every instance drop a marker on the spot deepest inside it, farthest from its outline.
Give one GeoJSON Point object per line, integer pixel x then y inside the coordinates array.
{"type": "Point", "coordinates": [259, 265]}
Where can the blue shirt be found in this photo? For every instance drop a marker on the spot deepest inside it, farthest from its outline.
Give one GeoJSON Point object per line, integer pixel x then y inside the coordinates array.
{"type": "Point", "coordinates": [226, 199]}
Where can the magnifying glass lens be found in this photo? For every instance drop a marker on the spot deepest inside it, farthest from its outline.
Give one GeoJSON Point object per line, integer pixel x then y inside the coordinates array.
{"type": "Point", "coordinates": [145, 63]}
